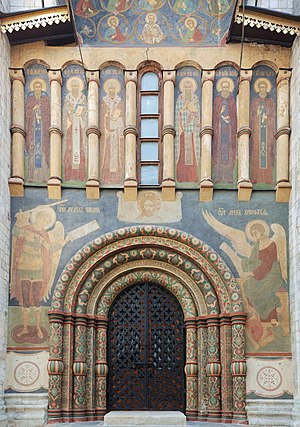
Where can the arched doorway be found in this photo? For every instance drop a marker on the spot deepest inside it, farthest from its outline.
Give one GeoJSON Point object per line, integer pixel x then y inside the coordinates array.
{"type": "Point", "coordinates": [210, 299]}
{"type": "Point", "coordinates": [146, 350]}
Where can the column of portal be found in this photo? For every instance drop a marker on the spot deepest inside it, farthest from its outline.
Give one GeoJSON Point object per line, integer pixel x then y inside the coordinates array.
{"type": "Point", "coordinates": [93, 134]}
{"type": "Point", "coordinates": [79, 369]}
{"type": "Point", "coordinates": [54, 182]}
{"type": "Point", "coordinates": [283, 186]}
{"type": "Point", "coordinates": [214, 369]}
{"type": "Point", "coordinates": [16, 182]}
{"type": "Point", "coordinates": [168, 134]}
{"type": "Point", "coordinates": [191, 369]}
{"type": "Point", "coordinates": [101, 367]}
{"type": "Point", "coordinates": [239, 367]}
{"type": "Point", "coordinates": [206, 184]}
{"type": "Point", "coordinates": [130, 133]}
{"type": "Point", "coordinates": [243, 136]}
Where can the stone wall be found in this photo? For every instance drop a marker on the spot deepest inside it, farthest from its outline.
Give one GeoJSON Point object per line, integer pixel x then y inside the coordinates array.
{"type": "Point", "coordinates": [4, 204]}
{"type": "Point", "coordinates": [295, 226]}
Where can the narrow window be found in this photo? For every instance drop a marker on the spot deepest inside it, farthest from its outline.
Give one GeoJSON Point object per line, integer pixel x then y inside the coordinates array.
{"type": "Point", "coordinates": [149, 129]}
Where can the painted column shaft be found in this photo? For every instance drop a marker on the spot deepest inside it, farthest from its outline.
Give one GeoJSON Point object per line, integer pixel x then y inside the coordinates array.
{"type": "Point", "coordinates": [243, 126]}
{"type": "Point", "coordinates": [283, 130]}
{"type": "Point", "coordinates": [191, 369]}
{"type": "Point", "coordinates": [18, 122]}
{"type": "Point", "coordinates": [168, 128]}
{"type": "Point", "coordinates": [130, 131]}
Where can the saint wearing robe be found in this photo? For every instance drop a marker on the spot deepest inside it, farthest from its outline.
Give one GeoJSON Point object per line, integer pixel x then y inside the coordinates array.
{"type": "Point", "coordinates": [193, 34]}
{"type": "Point", "coordinates": [187, 118]}
{"type": "Point", "coordinates": [113, 33]}
{"type": "Point", "coordinates": [37, 131]}
{"type": "Point", "coordinates": [75, 150]}
{"type": "Point", "coordinates": [112, 144]}
{"type": "Point", "coordinates": [225, 128]}
{"type": "Point", "coordinates": [152, 33]}
{"type": "Point", "coordinates": [262, 142]}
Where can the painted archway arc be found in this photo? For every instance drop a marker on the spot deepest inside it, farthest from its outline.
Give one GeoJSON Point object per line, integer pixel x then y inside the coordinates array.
{"type": "Point", "coordinates": [184, 249]}
{"type": "Point", "coordinates": [107, 290]}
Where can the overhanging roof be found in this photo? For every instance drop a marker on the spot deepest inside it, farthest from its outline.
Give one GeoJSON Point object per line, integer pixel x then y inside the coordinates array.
{"type": "Point", "coordinates": [54, 25]}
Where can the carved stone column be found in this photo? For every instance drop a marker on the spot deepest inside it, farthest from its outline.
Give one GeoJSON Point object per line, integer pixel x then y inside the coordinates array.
{"type": "Point", "coordinates": [213, 369]}
{"type": "Point", "coordinates": [202, 375]}
{"type": "Point", "coordinates": [54, 182]}
{"type": "Point", "coordinates": [16, 182]}
{"type": "Point", "coordinates": [191, 369]}
{"type": "Point", "coordinates": [239, 367]}
{"type": "Point", "coordinates": [130, 133]}
{"type": "Point", "coordinates": [244, 185]}
{"type": "Point", "coordinates": [55, 366]}
{"type": "Point", "coordinates": [79, 369]}
{"type": "Point", "coordinates": [101, 368]}
{"type": "Point", "coordinates": [93, 134]}
{"type": "Point", "coordinates": [168, 134]}
{"type": "Point", "coordinates": [283, 186]}
{"type": "Point", "coordinates": [68, 373]}
{"type": "Point", "coordinates": [226, 377]}
{"type": "Point", "coordinates": [206, 184]}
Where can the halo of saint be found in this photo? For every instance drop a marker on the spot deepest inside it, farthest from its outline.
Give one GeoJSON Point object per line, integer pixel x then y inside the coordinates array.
{"type": "Point", "coordinates": [262, 81]}
{"type": "Point", "coordinates": [221, 81]}
{"type": "Point", "coordinates": [113, 28]}
{"type": "Point", "coordinates": [36, 81]}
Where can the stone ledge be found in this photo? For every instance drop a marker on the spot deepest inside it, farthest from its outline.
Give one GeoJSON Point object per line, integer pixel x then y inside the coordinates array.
{"type": "Point", "coordinates": [270, 412]}
{"type": "Point", "coordinates": [145, 418]}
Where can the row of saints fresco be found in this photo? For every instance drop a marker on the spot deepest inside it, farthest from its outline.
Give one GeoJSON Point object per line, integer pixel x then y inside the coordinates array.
{"type": "Point", "coordinates": [187, 125]}
{"type": "Point", "coordinates": [152, 22]}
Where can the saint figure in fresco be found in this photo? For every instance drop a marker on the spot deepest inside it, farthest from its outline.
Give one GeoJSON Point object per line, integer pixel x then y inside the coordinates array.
{"type": "Point", "coordinates": [261, 263]}
{"type": "Point", "coordinates": [152, 33]}
{"type": "Point", "coordinates": [37, 242]}
{"type": "Point", "coordinates": [262, 142]}
{"type": "Point", "coordinates": [192, 34]}
{"type": "Point", "coordinates": [113, 33]}
{"type": "Point", "coordinates": [112, 147]}
{"type": "Point", "coordinates": [150, 4]}
{"type": "Point", "coordinates": [218, 7]}
{"type": "Point", "coordinates": [117, 5]}
{"type": "Point", "coordinates": [187, 119]}
{"type": "Point", "coordinates": [37, 131]}
{"type": "Point", "coordinates": [75, 150]}
{"type": "Point", "coordinates": [184, 7]}
{"type": "Point", "coordinates": [225, 128]}
{"type": "Point", "coordinates": [85, 8]}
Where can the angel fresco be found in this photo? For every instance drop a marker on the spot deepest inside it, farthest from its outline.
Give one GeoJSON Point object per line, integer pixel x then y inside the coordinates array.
{"type": "Point", "coordinates": [37, 242]}
{"type": "Point", "coordinates": [261, 263]}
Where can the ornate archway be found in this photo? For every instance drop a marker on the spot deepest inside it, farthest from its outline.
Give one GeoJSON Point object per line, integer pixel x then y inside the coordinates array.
{"type": "Point", "coordinates": [213, 312]}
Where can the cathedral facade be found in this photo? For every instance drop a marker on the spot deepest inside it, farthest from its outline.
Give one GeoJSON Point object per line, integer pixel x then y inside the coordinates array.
{"type": "Point", "coordinates": [150, 218]}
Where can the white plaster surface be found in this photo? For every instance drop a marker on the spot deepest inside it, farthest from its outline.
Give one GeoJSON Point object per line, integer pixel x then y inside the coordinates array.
{"type": "Point", "coordinates": [26, 409]}
{"type": "Point", "coordinates": [270, 412]}
{"type": "Point", "coordinates": [4, 205]}
{"type": "Point", "coordinates": [294, 224]}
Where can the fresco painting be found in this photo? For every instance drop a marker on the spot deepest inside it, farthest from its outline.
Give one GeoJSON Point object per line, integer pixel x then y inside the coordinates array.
{"type": "Point", "coordinates": [259, 255]}
{"type": "Point", "coordinates": [37, 123]}
{"type": "Point", "coordinates": [152, 22]}
{"type": "Point", "coordinates": [225, 125]}
{"type": "Point", "coordinates": [37, 242]}
{"type": "Point", "coordinates": [263, 125]}
{"type": "Point", "coordinates": [75, 123]}
{"type": "Point", "coordinates": [187, 125]}
{"type": "Point", "coordinates": [251, 239]}
{"type": "Point", "coordinates": [112, 112]}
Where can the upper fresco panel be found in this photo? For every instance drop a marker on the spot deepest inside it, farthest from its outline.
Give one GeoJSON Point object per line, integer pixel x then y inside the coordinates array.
{"type": "Point", "coordinates": [145, 23]}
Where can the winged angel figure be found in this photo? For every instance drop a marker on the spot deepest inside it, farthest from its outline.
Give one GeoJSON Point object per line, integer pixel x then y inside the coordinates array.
{"type": "Point", "coordinates": [261, 263]}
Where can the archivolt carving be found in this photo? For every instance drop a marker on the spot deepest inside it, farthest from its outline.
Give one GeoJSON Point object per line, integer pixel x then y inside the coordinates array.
{"type": "Point", "coordinates": [210, 299]}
